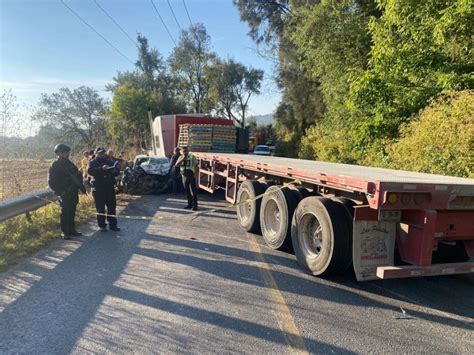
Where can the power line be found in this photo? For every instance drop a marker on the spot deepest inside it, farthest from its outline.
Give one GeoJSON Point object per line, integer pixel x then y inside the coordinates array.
{"type": "Point", "coordinates": [189, 17]}
{"type": "Point", "coordinates": [163, 22]}
{"type": "Point", "coordinates": [171, 8]}
{"type": "Point", "coordinates": [116, 23]}
{"type": "Point", "coordinates": [93, 29]}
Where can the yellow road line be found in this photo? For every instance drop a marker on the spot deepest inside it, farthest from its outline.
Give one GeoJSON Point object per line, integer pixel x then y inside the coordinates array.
{"type": "Point", "coordinates": [284, 318]}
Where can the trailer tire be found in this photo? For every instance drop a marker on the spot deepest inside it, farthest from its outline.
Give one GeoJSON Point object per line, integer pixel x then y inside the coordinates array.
{"type": "Point", "coordinates": [248, 214]}
{"type": "Point", "coordinates": [303, 191]}
{"type": "Point", "coordinates": [276, 213]}
{"type": "Point", "coordinates": [348, 206]}
{"type": "Point", "coordinates": [320, 236]}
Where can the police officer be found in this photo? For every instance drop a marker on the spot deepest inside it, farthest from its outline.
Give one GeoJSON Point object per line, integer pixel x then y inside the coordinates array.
{"type": "Point", "coordinates": [175, 178]}
{"type": "Point", "coordinates": [65, 180]}
{"type": "Point", "coordinates": [103, 172]}
{"type": "Point", "coordinates": [188, 164]}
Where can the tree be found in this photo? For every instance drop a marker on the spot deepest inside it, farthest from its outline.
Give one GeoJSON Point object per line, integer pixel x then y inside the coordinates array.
{"type": "Point", "coordinates": [150, 86]}
{"type": "Point", "coordinates": [8, 112]}
{"type": "Point", "coordinates": [233, 84]}
{"type": "Point", "coordinates": [78, 114]}
{"type": "Point", "coordinates": [302, 102]}
{"type": "Point", "coordinates": [419, 49]}
{"type": "Point", "coordinates": [128, 121]}
{"type": "Point", "coordinates": [301, 105]}
{"type": "Point", "coordinates": [332, 42]}
{"type": "Point", "coordinates": [150, 64]}
{"type": "Point", "coordinates": [249, 83]}
{"type": "Point", "coordinates": [189, 61]}
{"type": "Point", "coordinates": [266, 19]}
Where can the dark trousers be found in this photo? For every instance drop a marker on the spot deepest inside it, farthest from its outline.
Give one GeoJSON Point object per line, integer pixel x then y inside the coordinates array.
{"type": "Point", "coordinates": [105, 196]}
{"type": "Point", "coordinates": [177, 182]}
{"type": "Point", "coordinates": [68, 212]}
{"type": "Point", "coordinates": [189, 182]}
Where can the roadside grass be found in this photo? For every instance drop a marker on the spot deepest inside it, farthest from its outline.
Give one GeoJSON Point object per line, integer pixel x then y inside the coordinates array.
{"type": "Point", "coordinates": [23, 235]}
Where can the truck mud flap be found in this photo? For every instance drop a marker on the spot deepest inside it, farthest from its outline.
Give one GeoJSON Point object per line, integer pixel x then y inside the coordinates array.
{"type": "Point", "coordinates": [373, 246]}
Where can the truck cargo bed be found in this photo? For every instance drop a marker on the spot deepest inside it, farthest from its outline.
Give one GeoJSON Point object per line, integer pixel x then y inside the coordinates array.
{"type": "Point", "coordinates": [342, 170]}
{"type": "Point", "coordinates": [445, 192]}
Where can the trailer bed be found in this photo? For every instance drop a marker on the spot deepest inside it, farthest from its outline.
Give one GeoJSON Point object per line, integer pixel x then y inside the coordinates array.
{"type": "Point", "coordinates": [342, 170]}
{"type": "Point", "coordinates": [419, 212]}
{"type": "Point", "coordinates": [446, 192]}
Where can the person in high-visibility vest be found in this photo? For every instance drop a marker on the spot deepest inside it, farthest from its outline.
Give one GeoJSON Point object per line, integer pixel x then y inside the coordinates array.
{"type": "Point", "coordinates": [187, 163]}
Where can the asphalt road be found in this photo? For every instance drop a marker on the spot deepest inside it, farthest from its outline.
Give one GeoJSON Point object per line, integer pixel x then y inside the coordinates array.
{"type": "Point", "coordinates": [173, 284]}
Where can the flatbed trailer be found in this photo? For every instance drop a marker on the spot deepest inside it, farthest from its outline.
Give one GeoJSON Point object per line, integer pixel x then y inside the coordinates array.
{"type": "Point", "coordinates": [384, 223]}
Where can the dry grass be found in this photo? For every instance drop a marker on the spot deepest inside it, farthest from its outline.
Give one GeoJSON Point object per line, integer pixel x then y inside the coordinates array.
{"type": "Point", "coordinates": [23, 235]}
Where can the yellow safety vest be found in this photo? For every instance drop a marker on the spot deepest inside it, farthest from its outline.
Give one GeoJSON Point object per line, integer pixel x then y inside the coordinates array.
{"type": "Point", "coordinates": [188, 163]}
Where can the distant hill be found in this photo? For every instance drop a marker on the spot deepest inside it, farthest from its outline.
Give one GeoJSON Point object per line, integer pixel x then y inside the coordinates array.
{"type": "Point", "coordinates": [264, 119]}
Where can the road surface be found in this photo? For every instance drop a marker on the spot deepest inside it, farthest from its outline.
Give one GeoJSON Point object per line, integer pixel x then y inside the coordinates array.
{"type": "Point", "coordinates": [172, 284]}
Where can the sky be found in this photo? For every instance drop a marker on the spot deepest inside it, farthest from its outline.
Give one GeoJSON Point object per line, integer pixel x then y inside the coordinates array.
{"type": "Point", "coordinates": [44, 47]}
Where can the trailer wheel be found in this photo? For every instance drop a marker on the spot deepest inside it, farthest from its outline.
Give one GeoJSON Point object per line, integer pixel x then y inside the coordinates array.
{"type": "Point", "coordinates": [303, 191]}
{"type": "Point", "coordinates": [320, 236]}
{"type": "Point", "coordinates": [248, 213]}
{"type": "Point", "coordinates": [276, 212]}
{"type": "Point", "coordinates": [348, 205]}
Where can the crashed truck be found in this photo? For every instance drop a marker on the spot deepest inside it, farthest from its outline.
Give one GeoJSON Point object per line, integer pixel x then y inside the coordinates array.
{"type": "Point", "coordinates": [151, 174]}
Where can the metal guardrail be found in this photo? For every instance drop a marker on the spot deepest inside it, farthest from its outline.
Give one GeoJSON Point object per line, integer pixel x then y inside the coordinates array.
{"type": "Point", "coordinates": [25, 203]}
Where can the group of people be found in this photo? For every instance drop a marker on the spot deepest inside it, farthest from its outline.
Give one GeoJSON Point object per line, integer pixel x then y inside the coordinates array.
{"type": "Point", "coordinates": [99, 168]}
{"type": "Point", "coordinates": [89, 155]}
{"type": "Point", "coordinates": [67, 181]}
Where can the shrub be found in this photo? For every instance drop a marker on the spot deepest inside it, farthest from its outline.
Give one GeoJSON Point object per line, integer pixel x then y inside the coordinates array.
{"type": "Point", "coordinates": [440, 140]}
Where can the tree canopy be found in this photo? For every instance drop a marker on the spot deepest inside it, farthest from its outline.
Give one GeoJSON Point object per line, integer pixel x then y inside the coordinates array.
{"type": "Point", "coordinates": [78, 114]}
{"type": "Point", "coordinates": [354, 74]}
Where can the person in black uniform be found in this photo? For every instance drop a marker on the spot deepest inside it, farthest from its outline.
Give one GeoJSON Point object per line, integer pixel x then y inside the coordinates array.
{"type": "Point", "coordinates": [103, 172]}
{"type": "Point", "coordinates": [65, 180]}
{"type": "Point", "coordinates": [175, 174]}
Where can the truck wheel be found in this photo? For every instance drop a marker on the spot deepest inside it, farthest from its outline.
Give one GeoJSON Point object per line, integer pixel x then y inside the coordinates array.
{"type": "Point", "coordinates": [278, 206]}
{"type": "Point", "coordinates": [303, 191]}
{"type": "Point", "coordinates": [320, 236]}
{"type": "Point", "coordinates": [248, 213]}
{"type": "Point", "coordinates": [348, 206]}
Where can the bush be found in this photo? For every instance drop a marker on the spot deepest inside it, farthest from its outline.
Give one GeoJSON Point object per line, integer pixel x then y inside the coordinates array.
{"type": "Point", "coordinates": [440, 139]}
{"type": "Point", "coordinates": [23, 235]}
{"type": "Point", "coordinates": [327, 141]}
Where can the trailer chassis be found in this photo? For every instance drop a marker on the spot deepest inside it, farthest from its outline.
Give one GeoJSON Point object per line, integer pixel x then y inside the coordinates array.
{"type": "Point", "coordinates": [410, 221]}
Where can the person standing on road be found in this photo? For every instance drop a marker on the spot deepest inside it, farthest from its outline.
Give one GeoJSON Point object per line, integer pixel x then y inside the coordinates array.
{"type": "Point", "coordinates": [188, 165]}
{"type": "Point", "coordinates": [84, 162]}
{"type": "Point", "coordinates": [65, 179]}
{"type": "Point", "coordinates": [175, 178]}
{"type": "Point", "coordinates": [103, 172]}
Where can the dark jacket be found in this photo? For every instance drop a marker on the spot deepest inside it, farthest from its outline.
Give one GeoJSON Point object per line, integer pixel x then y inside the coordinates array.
{"type": "Point", "coordinates": [103, 177]}
{"type": "Point", "coordinates": [174, 159]}
{"type": "Point", "coordinates": [174, 168]}
{"type": "Point", "coordinates": [65, 178]}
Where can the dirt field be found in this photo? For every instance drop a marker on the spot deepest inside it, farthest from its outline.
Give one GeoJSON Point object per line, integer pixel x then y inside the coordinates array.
{"type": "Point", "coordinates": [22, 176]}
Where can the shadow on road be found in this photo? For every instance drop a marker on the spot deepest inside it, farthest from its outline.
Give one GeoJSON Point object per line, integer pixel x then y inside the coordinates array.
{"type": "Point", "coordinates": [338, 289]}
{"type": "Point", "coordinates": [52, 315]}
